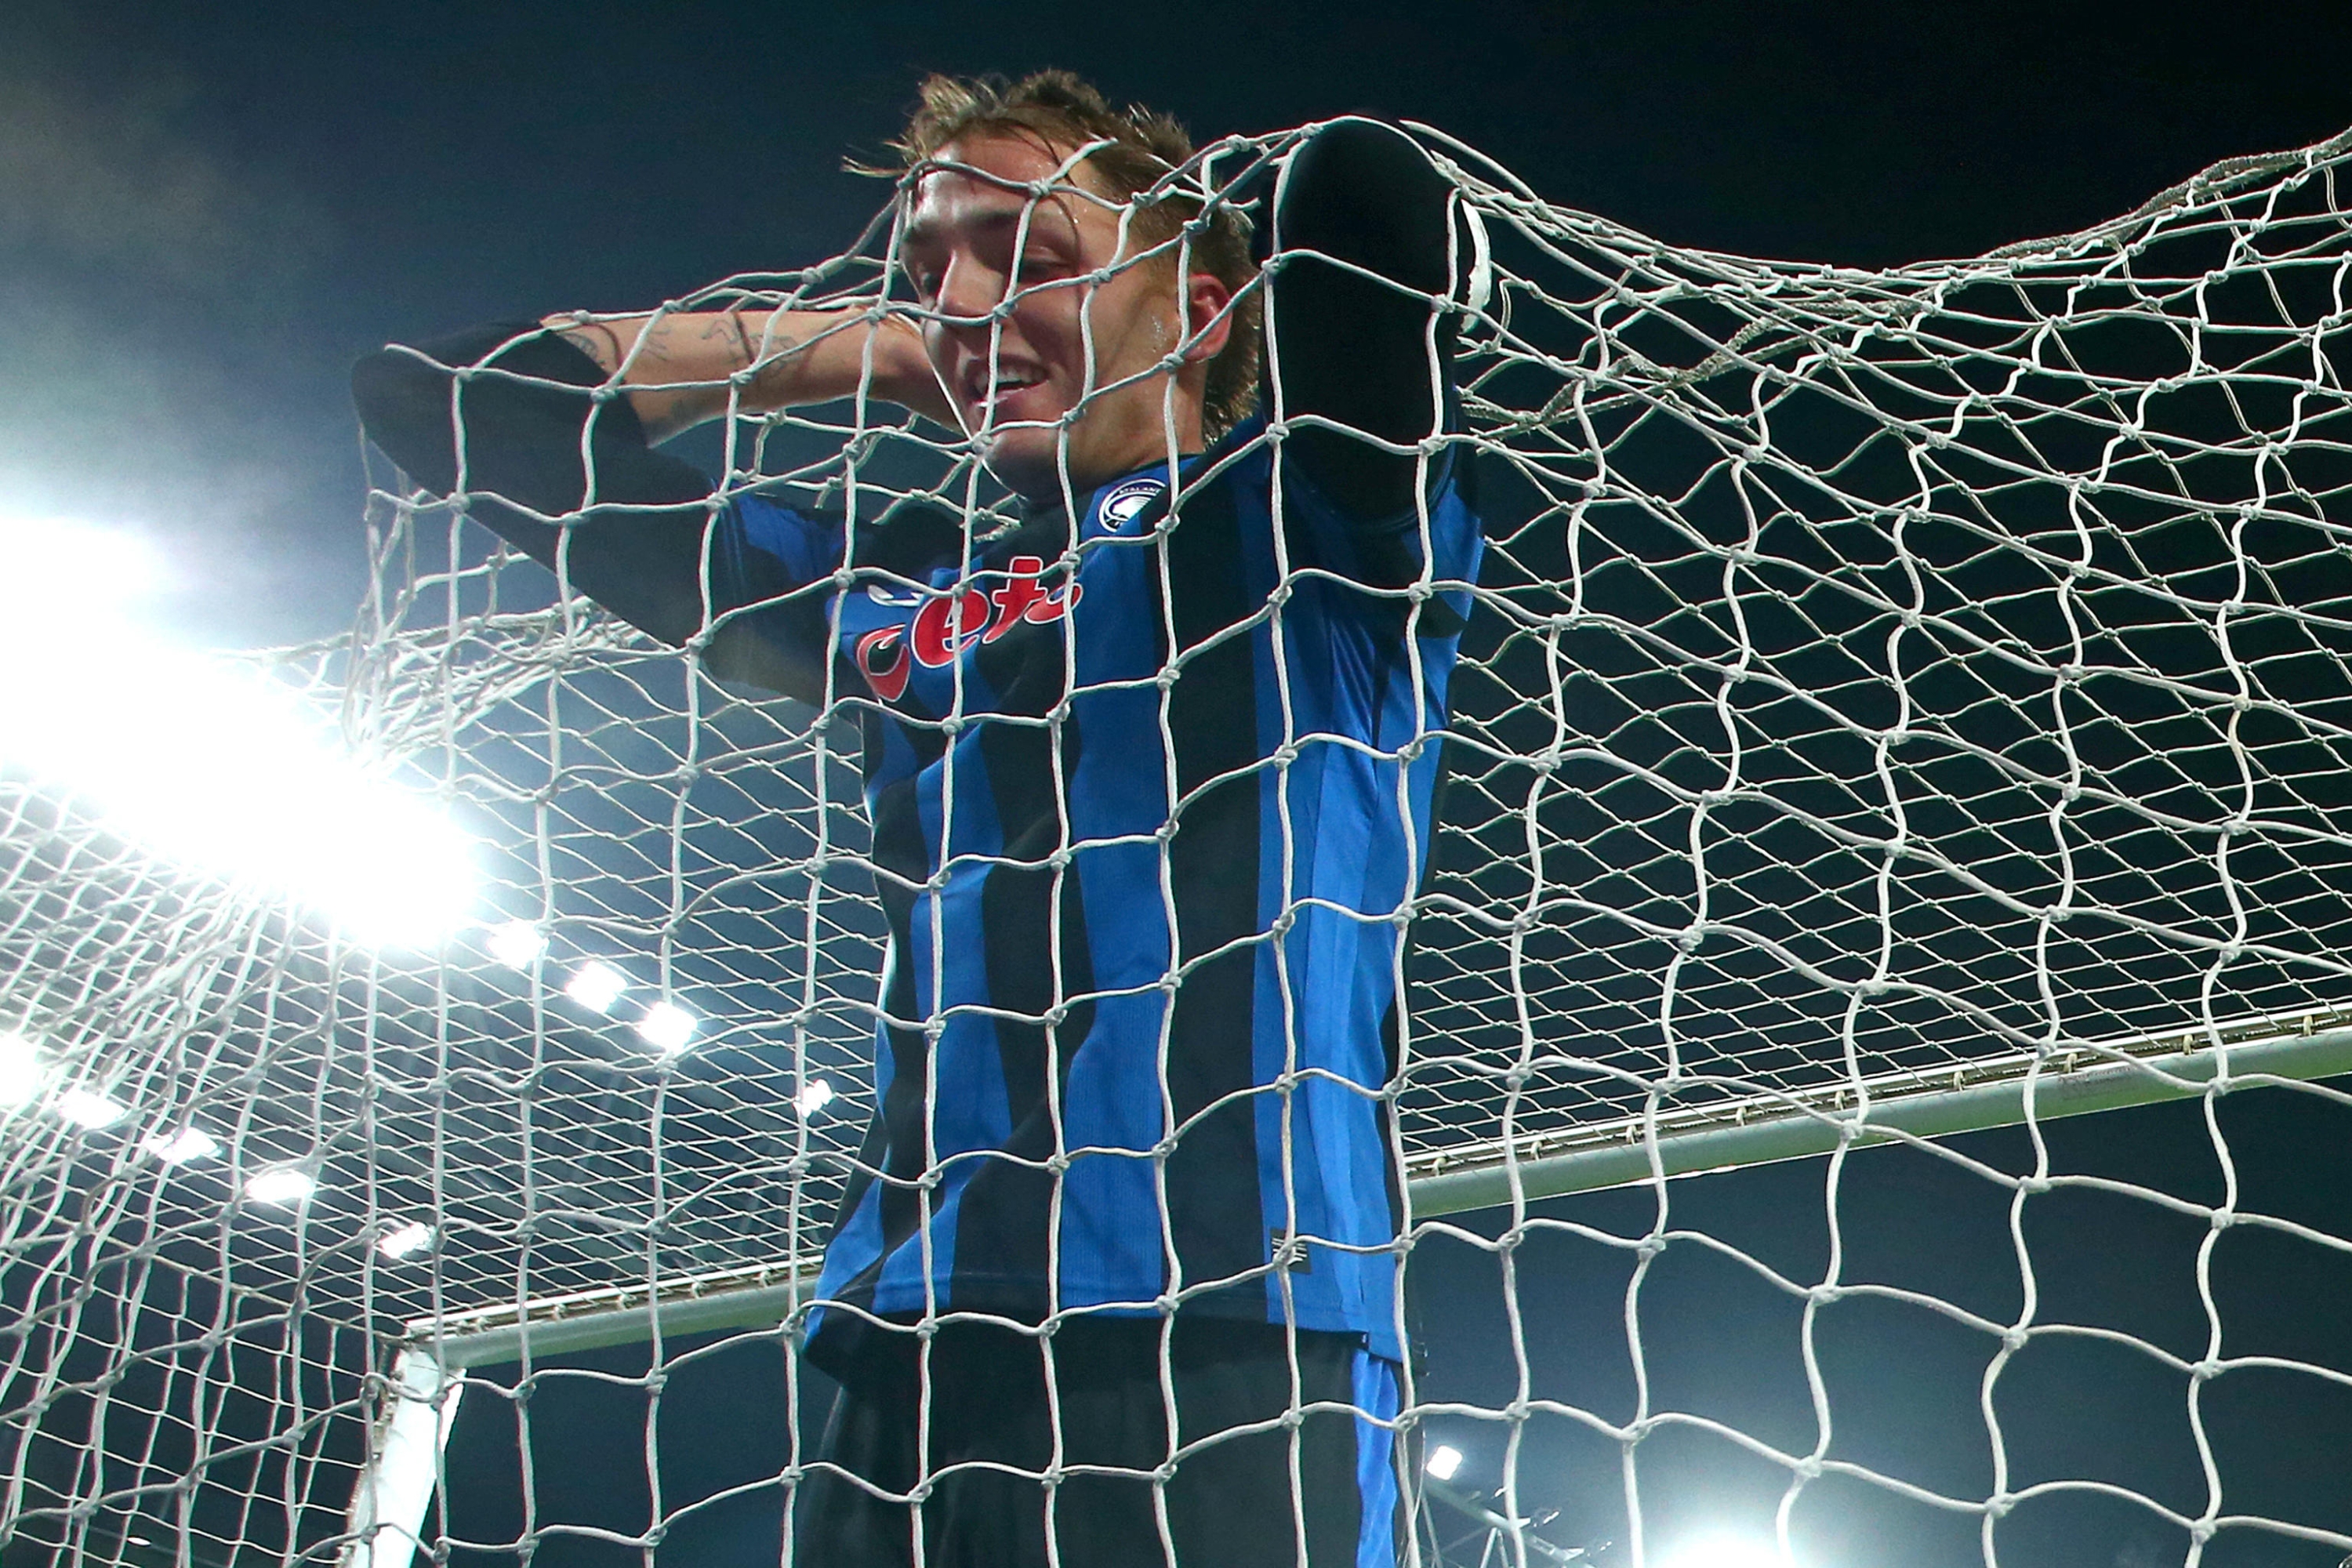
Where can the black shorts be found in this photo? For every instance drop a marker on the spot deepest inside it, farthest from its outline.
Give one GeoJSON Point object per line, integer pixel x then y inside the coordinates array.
{"type": "Point", "coordinates": [981, 1501]}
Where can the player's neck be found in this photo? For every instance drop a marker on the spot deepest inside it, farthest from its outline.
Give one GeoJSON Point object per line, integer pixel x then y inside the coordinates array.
{"type": "Point", "coordinates": [1056, 500]}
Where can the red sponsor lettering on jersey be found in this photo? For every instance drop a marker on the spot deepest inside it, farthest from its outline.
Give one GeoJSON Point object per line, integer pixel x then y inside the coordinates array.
{"type": "Point", "coordinates": [948, 624]}
{"type": "Point", "coordinates": [1024, 598]}
{"type": "Point", "coordinates": [945, 626]}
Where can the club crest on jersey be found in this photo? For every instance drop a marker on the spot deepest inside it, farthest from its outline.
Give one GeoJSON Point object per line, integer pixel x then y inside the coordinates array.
{"type": "Point", "coordinates": [951, 623]}
{"type": "Point", "coordinates": [1126, 500]}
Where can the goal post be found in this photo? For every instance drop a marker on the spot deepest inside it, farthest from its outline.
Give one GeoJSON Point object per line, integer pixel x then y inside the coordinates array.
{"type": "Point", "coordinates": [394, 1491]}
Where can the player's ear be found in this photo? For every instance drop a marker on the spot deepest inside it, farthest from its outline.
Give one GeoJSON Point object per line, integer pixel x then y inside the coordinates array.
{"type": "Point", "coordinates": [1209, 320]}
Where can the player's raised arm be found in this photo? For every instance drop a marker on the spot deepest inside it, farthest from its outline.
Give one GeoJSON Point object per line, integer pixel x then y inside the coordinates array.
{"type": "Point", "coordinates": [681, 368]}
{"type": "Point", "coordinates": [524, 423]}
{"type": "Point", "coordinates": [1370, 258]}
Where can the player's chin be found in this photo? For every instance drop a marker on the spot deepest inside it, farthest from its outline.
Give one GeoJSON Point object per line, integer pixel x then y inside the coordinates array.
{"type": "Point", "coordinates": [1029, 461]}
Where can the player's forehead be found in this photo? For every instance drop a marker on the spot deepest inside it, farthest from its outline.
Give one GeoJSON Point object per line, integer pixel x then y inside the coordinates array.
{"type": "Point", "coordinates": [985, 182]}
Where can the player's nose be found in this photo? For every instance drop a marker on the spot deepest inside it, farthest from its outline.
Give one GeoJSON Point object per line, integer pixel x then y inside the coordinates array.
{"type": "Point", "coordinates": [969, 292]}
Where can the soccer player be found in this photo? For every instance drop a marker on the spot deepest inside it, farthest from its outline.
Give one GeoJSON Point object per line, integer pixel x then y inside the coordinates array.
{"type": "Point", "coordinates": [1149, 774]}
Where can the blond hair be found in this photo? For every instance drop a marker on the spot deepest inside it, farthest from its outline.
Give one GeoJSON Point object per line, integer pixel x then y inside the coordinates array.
{"type": "Point", "coordinates": [1133, 149]}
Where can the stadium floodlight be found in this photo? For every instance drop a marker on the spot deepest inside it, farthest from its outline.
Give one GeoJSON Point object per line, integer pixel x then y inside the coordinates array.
{"type": "Point", "coordinates": [204, 761]}
{"type": "Point", "coordinates": [89, 1108]}
{"type": "Point", "coordinates": [404, 1242]}
{"type": "Point", "coordinates": [667, 1027]}
{"type": "Point", "coordinates": [1444, 1461]}
{"type": "Point", "coordinates": [284, 1187]}
{"type": "Point", "coordinates": [114, 572]}
{"type": "Point", "coordinates": [596, 985]}
{"type": "Point", "coordinates": [179, 1148]}
{"type": "Point", "coordinates": [1724, 1549]}
{"type": "Point", "coordinates": [20, 1070]}
{"type": "Point", "coordinates": [814, 1095]}
{"type": "Point", "coordinates": [517, 944]}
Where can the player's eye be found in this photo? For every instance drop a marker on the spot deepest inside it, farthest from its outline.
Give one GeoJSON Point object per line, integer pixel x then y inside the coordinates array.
{"type": "Point", "coordinates": [1039, 267]}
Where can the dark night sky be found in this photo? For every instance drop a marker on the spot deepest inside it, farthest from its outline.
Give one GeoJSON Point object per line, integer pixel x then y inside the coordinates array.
{"type": "Point", "coordinates": [206, 213]}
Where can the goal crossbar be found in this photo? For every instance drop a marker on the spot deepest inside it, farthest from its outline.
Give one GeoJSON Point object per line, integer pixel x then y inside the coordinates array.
{"type": "Point", "coordinates": [1974, 1097]}
{"type": "Point", "coordinates": [1755, 1128]}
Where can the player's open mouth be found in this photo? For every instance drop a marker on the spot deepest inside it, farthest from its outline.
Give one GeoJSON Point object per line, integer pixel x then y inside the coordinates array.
{"type": "Point", "coordinates": [979, 389]}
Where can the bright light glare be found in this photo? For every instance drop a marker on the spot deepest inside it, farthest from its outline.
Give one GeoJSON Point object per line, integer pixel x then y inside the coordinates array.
{"type": "Point", "coordinates": [518, 943]}
{"type": "Point", "coordinates": [199, 759]}
{"type": "Point", "coordinates": [1444, 1461]}
{"type": "Point", "coordinates": [179, 1148]}
{"type": "Point", "coordinates": [667, 1027]}
{"type": "Point", "coordinates": [814, 1095]}
{"type": "Point", "coordinates": [596, 985]}
{"type": "Point", "coordinates": [284, 1186]}
{"type": "Point", "coordinates": [20, 1070]}
{"type": "Point", "coordinates": [110, 573]}
{"type": "Point", "coordinates": [88, 1108]}
{"type": "Point", "coordinates": [1724, 1550]}
{"type": "Point", "coordinates": [407, 1241]}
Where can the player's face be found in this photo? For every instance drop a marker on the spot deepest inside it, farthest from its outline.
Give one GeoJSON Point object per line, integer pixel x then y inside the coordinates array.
{"type": "Point", "coordinates": [1042, 308]}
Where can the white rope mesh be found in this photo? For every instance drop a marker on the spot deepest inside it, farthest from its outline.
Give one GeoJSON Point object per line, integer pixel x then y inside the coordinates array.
{"type": "Point", "coordinates": [1884, 686]}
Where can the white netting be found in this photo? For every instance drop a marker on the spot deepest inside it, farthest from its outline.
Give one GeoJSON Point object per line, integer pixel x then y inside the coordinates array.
{"type": "Point", "coordinates": [1884, 686]}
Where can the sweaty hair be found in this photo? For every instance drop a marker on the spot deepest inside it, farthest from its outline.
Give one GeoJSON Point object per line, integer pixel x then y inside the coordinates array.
{"type": "Point", "coordinates": [1139, 146]}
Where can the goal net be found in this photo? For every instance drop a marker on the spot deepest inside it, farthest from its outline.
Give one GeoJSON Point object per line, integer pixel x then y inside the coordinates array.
{"type": "Point", "coordinates": [1897, 706]}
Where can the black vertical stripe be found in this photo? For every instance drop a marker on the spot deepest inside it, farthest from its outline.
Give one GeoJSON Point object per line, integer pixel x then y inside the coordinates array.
{"type": "Point", "coordinates": [1003, 1228]}
{"type": "Point", "coordinates": [1218, 1221]}
{"type": "Point", "coordinates": [895, 1143]}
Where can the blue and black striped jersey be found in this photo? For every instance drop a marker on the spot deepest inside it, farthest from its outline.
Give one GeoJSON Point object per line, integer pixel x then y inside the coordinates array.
{"type": "Point", "coordinates": [1149, 802]}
